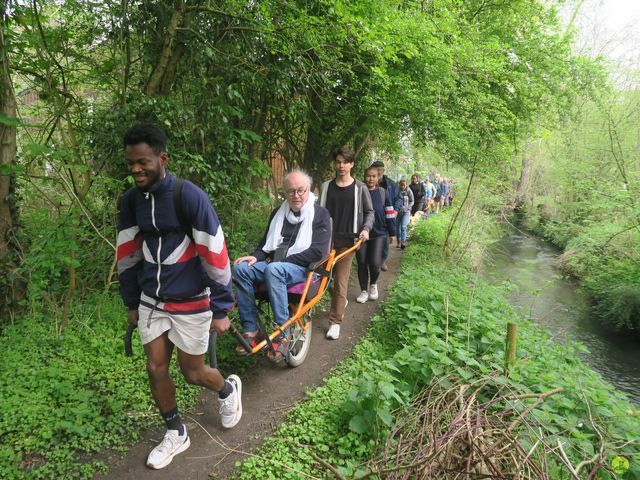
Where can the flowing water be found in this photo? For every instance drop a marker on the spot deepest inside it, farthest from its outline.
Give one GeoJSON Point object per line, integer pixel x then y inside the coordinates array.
{"type": "Point", "coordinates": [544, 296]}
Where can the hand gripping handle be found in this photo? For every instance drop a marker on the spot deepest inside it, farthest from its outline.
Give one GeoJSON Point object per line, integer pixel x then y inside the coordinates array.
{"type": "Point", "coordinates": [128, 349]}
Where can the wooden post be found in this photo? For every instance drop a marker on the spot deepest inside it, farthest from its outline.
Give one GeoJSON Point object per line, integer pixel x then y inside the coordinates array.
{"type": "Point", "coordinates": [510, 352]}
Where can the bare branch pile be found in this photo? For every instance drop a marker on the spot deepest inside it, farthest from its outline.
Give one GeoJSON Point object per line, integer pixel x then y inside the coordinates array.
{"type": "Point", "coordinates": [454, 432]}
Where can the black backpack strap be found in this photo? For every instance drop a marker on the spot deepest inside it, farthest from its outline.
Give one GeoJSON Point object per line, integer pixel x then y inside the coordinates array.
{"type": "Point", "coordinates": [185, 225]}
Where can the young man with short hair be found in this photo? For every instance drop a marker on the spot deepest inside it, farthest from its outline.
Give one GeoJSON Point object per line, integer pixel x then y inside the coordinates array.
{"type": "Point", "coordinates": [350, 207]}
{"type": "Point", "coordinates": [175, 280]}
{"type": "Point", "coordinates": [393, 191]}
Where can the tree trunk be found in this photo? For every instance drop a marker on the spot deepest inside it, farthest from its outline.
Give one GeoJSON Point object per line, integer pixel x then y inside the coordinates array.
{"type": "Point", "coordinates": [315, 158]}
{"type": "Point", "coordinates": [160, 79]}
{"type": "Point", "coordinates": [360, 142]}
{"type": "Point", "coordinates": [125, 41]}
{"type": "Point", "coordinates": [73, 275]}
{"type": "Point", "coordinates": [8, 219]}
{"type": "Point", "coordinates": [523, 183]}
{"type": "Point", "coordinates": [519, 201]}
{"type": "Point", "coordinates": [180, 47]}
{"type": "Point", "coordinates": [258, 126]}
{"type": "Point", "coordinates": [7, 147]}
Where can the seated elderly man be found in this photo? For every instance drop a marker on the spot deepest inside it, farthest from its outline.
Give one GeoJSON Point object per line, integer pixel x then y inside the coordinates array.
{"type": "Point", "coordinates": [298, 234]}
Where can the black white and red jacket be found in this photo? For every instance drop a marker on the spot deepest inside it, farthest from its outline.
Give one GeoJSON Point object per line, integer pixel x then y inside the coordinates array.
{"type": "Point", "coordinates": [163, 267]}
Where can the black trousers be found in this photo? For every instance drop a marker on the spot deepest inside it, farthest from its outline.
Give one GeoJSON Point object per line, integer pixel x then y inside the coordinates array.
{"type": "Point", "coordinates": [369, 258]}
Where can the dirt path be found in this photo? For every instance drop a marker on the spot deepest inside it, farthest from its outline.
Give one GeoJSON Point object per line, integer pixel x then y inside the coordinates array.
{"type": "Point", "coordinates": [269, 392]}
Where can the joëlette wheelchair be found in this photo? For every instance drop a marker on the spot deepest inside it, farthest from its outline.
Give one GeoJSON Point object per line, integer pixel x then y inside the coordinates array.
{"type": "Point", "coordinates": [302, 298]}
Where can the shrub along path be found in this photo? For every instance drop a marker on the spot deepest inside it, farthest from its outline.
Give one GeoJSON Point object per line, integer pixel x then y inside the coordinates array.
{"type": "Point", "coordinates": [269, 391]}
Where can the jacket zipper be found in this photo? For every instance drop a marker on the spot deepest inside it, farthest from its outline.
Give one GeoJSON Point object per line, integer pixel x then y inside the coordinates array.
{"type": "Point", "coordinates": [153, 221]}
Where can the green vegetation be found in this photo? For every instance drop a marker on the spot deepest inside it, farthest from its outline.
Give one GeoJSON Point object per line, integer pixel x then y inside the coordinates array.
{"type": "Point", "coordinates": [238, 88]}
{"type": "Point", "coordinates": [585, 199]}
{"type": "Point", "coordinates": [242, 90]}
{"type": "Point", "coordinates": [441, 322]}
{"type": "Point", "coordinates": [64, 396]}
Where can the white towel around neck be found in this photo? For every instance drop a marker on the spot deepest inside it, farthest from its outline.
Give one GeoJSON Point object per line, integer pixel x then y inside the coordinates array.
{"type": "Point", "coordinates": [303, 239]}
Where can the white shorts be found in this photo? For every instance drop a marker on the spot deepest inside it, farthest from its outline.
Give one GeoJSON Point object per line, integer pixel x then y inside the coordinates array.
{"type": "Point", "coordinates": [190, 333]}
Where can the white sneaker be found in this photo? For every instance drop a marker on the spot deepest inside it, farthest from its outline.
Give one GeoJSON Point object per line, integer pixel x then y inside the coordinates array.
{"type": "Point", "coordinates": [231, 407]}
{"type": "Point", "coordinates": [373, 291]}
{"type": "Point", "coordinates": [171, 445]}
{"type": "Point", "coordinates": [334, 332]}
{"type": "Point", "coordinates": [363, 297]}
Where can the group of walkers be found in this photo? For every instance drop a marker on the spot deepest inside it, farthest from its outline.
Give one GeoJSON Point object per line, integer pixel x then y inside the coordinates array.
{"type": "Point", "coordinates": [431, 197]}
{"type": "Point", "coordinates": [394, 206]}
{"type": "Point", "coordinates": [176, 277]}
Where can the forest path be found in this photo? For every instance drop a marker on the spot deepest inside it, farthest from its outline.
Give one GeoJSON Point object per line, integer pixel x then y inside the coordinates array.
{"type": "Point", "coordinates": [269, 391]}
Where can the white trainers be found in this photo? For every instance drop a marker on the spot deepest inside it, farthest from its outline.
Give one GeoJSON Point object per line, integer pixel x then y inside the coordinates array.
{"type": "Point", "coordinates": [231, 407]}
{"type": "Point", "coordinates": [373, 291]}
{"type": "Point", "coordinates": [363, 297]}
{"type": "Point", "coordinates": [171, 445]}
{"type": "Point", "coordinates": [334, 332]}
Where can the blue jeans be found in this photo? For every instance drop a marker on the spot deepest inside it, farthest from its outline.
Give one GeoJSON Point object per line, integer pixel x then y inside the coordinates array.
{"type": "Point", "coordinates": [277, 276]}
{"type": "Point", "coordinates": [403, 220]}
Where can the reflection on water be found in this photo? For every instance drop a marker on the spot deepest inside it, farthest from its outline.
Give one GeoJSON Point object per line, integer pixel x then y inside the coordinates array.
{"type": "Point", "coordinates": [528, 263]}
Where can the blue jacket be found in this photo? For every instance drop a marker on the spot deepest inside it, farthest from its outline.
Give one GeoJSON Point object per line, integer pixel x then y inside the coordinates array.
{"type": "Point", "coordinates": [393, 191]}
{"type": "Point", "coordinates": [173, 268]}
{"type": "Point", "coordinates": [385, 215]}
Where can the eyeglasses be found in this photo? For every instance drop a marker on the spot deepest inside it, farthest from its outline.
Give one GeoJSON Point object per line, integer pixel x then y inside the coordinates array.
{"type": "Point", "coordinates": [296, 191]}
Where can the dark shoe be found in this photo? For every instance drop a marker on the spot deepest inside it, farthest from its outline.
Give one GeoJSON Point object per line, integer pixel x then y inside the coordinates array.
{"type": "Point", "coordinates": [404, 244]}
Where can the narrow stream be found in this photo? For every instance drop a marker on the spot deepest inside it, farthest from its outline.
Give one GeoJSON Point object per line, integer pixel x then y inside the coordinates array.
{"type": "Point", "coordinates": [547, 298]}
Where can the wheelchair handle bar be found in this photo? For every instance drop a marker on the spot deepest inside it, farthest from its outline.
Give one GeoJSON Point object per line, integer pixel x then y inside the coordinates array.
{"type": "Point", "coordinates": [346, 252]}
{"type": "Point", "coordinates": [315, 266]}
{"type": "Point", "coordinates": [241, 340]}
{"type": "Point", "coordinates": [128, 349]}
